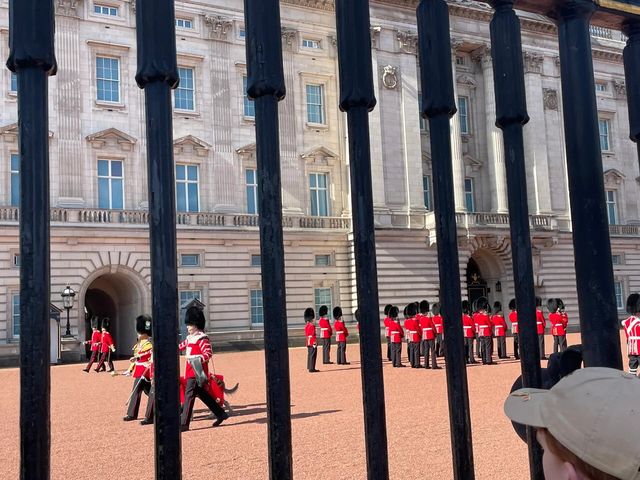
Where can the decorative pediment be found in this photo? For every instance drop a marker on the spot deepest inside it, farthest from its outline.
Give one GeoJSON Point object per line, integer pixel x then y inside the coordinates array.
{"type": "Point", "coordinates": [426, 160]}
{"type": "Point", "coordinates": [320, 156]}
{"type": "Point", "coordinates": [9, 133]}
{"type": "Point", "coordinates": [247, 151]}
{"type": "Point", "coordinates": [613, 177]}
{"type": "Point", "coordinates": [467, 80]}
{"type": "Point", "coordinates": [111, 138]}
{"type": "Point", "coordinates": [472, 163]}
{"type": "Point", "coordinates": [190, 144]}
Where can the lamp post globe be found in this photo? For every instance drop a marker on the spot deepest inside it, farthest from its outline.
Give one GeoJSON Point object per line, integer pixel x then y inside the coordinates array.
{"type": "Point", "coordinates": [68, 296]}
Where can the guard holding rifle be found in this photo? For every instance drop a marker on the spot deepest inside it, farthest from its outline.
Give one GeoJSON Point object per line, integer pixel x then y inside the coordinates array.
{"type": "Point", "coordinates": [140, 363]}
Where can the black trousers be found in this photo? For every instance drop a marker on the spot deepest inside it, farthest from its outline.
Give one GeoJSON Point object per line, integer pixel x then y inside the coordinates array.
{"type": "Point", "coordinates": [516, 345]}
{"type": "Point", "coordinates": [105, 357]}
{"type": "Point", "coordinates": [396, 354]}
{"type": "Point", "coordinates": [439, 345]}
{"type": "Point", "coordinates": [148, 414]}
{"type": "Point", "coordinates": [140, 385]}
{"type": "Point", "coordinates": [388, 349]}
{"type": "Point", "coordinates": [468, 347]}
{"type": "Point", "coordinates": [312, 353]}
{"type": "Point", "coordinates": [429, 348]}
{"type": "Point", "coordinates": [486, 347]}
{"type": "Point", "coordinates": [478, 347]}
{"type": "Point", "coordinates": [342, 353]}
{"type": "Point", "coordinates": [634, 363]}
{"type": "Point", "coordinates": [94, 356]}
{"type": "Point", "coordinates": [326, 350]}
{"type": "Point", "coordinates": [559, 343]}
{"type": "Point", "coordinates": [541, 346]}
{"type": "Point", "coordinates": [414, 354]}
{"type": "Point", "coordinates": [192, 391]}
{"type": "Point", "coordinates": [502, 347]}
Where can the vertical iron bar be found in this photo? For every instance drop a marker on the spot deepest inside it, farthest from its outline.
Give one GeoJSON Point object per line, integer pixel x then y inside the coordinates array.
{"type": "Point", "coordinates": [265, 84]}
{"type": "Point", "coordinates": [511, 113]}
{"type": "Point", "coordinates": [357, 99]}
{"type": "Point", "coordinates": [438, 105]}
{"type": "Point", "coordinates": [32, 58]}
{"type": "Point", "coordinates": [157, 74]}
{"type": "Point", "coordinates": [592, 248]}
{"type": "Point", "coordinates": [631, 29]}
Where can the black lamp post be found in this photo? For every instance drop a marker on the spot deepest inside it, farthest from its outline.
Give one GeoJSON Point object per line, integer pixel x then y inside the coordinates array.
{"type": "Point", "coordinates": [68, 295]}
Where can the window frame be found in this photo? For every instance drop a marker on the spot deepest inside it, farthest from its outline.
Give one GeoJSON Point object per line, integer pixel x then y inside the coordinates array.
{"type": "Point", "coordinates": [185, 19]}
{"type": "Point", "coordinates": [15, 313]}
{"type": "Point", "coordinates": [253, 188]}
{"type": "Point", "coordinates": [466, 115]}
{"type": "Point", "coordinates": [620, 299]}
{"type": "Point", "coordinates": [607, 123]}
{"type": "Point", "coordinates": [322, 104]}
{"type": "Point", "coordinates": [259, 307]}
{"type": "Point", "coordinates": [182, 88]}
{"type": "Point", "coordinates": [612, 203]}
{"type": "Point", "coordinates": [315, 43]}
{"type": "Point", "coordinates": [328, 256]}
{"type": "Point", "coordinates": [252, 257]}
{"type": "Point", "coordinates": [471, 192]}
{"type": "Point", "coordinates": [248, 105]}
{"type": "Point", "coordinates": [103, 6]}
{"type": "Point", "coordinates": [427, 192]}
{"type": "Point", "coordinates": [317, 304]}
{"type": "Point", "coordinates": [118, 81]}
{"type": "Point", "coordinates": [110, 179]}
{"type": "Point", "coordinates": [197, 256]}
{"type": "Point", "coordinates": [14, 174]}
{"type": "Point", "coordinates": [187, 182]}
{"type": "Point", "coordinates": [317, 189]}
{"type": "Point", "coordinates": [13, 81]}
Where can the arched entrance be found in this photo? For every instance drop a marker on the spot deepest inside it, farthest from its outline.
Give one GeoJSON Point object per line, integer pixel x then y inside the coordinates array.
{"type": "Point", "coordinates": [485, 277]}
{"type": "Point", "coordinates": [121, 298]}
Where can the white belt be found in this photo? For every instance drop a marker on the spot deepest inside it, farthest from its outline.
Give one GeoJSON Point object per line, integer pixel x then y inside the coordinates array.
{"type": "Point", "coordinates": [538, 323]}
{"type": "Point", "coordinates": [194, 356]}
{"type": "Point", "coordinates": [634, 338]}
{"type": "Point", "coordinates": [466, 327]}
{"type": "Point", "coordinates": [324, 329]}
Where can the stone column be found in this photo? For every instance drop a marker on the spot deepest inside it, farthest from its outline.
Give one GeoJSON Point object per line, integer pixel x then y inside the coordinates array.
{"type": "Point", "coordinates": [375, 126]}
{"type": "Point", "coordinates": [495, 146]}
{"type": "Point", "coordinates": [456, 139]}
{"type": "Point", "coordinates": [537, 165]}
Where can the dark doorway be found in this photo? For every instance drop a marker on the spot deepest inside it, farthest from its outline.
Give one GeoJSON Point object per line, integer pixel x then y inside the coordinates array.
{"type": "Point", "coordinates": [476, 285]}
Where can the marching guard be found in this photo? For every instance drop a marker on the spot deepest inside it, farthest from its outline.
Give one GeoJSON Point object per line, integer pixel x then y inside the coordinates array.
{"type": "Point", "coordinates": [541, 324]}
{"type": "Point", "coordinates": [198, 353]}
{"type": "Point", "coordinates": [96, 336]}
{"type": "Point", "coordinates": [513, 318]}
{"type": "Point", "coordinates": [428, 336]}
{"type": "Point", "coordinates": [632, 331]}
{"type": "Point", "coordinates": [396, 334]}
{"type": "Point", "coordinates": [412, 328]}
{"type": "Point", "coordinates": [387, 321]}
{"type": "Point", "coordinates": [482, 320]}
{"type": "Point", "coordinates": [312, 341]}
{"type": "Point", "coordinates": [325, 334]}
{"type": "Point", "coordinates": [106, 348]}
{"type": "Point", "coordinates": [499, 329]}
{"type": "Point", "coordinates": [559, 321]}
{"type": "Point", "coordinates": [469, 331]}
{"type": "Point", "coordinates": [438, 323]}
{"type": "Point", "coordinates": [140, 363]}
{"type": "Point", "coordinates": [341, 336]}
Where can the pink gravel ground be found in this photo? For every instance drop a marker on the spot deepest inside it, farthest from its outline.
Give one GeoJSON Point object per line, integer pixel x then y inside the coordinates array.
{"type": "Point", "coordinates": [90, 440]}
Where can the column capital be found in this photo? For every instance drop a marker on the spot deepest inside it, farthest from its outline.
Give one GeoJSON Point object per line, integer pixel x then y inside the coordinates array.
{"type": "Point", "coordinates": [407, 41]}
{"type": "Point", "coordinates": [218, 26]}
{"type": "Point", "coordinates": [482, 55]}
{"type": "Point", "coordinates": [456, 43]}
{"type": "Point", "coordinates": [532, 62]}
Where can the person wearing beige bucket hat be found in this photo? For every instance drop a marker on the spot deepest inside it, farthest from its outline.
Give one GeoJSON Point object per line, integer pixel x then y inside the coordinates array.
{"type": "Point", "coordinates": [588, 424]}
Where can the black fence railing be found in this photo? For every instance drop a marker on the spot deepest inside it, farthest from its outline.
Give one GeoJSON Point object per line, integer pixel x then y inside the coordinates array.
{"type": "Point", "coordinates": [32, 58]}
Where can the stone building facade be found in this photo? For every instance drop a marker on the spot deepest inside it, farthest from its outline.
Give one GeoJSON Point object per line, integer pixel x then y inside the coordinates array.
{"type": "Point", "coordinates": [99, 237]}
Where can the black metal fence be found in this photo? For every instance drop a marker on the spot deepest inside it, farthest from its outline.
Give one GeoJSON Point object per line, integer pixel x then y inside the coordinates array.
{"type": "Point", "coordinates": [32, 59]}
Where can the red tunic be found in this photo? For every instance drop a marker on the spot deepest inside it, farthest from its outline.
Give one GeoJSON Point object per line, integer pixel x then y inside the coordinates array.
{"type": "Point", "coordinates": [395, 332]}
{"type": "Point", "coordinates": [412, 326]}
{"type": "Point", "coordinates": [387, 321]}
{"type": "Point", "coordinates": [197, 345]}
{"type": "Point", "coordinates": [632, 330]}
{"type": "Point", "coordinates": [468, 326]}
{"type": "Point", "coordinates": [513, 318]}
{"type": "Point", "coordinates": [427, 327]}
{"type": "Point", "coordinates": [341, 331]}
{"type": "Point", "coordinates": [142, 352]}
{"type": "Point", "coordinates": [106, 341]}
{"type": "Point", "coordinates": [438, 323]}
{"type": "Point", "coordinates": [499, 326]}
{"type": "Point", "coordinates": [541, 323]}
{"type": "Point", "coordinates": [310, 333]}
{"type": "Point", "coordinates": [558, 323]}
{"type": "Point", "coordinates": [96, 338]}
{"type": "Point", "coordinates": [325, 327]}
{"type": "Point", "coordinates": [483, 322]}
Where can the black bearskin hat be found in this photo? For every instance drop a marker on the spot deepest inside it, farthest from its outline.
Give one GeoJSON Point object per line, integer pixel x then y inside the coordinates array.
{"type": "Point", "coordinates": [633, 304]}
{"type": "Point", "coordinates": [94, 322]}
{"type": "Point", "coordinates": [424, 306]}
{"type": "Point", "coordinates": [357, 315]}
{"type": "Point", "coordinates": [387, 308]}
{"type": "Point", "coordinates": [466, 307]}
{"type": "Point", "coordinates": [552, 305]}
{"type": "Point", "coordinates": [560, 303]}
{"type": "Point", "coordinates": [481, 303]}
{"type": "Point", "coordinates": [143, 324]}
{"type": "Point", "coordinates": [195, 317]}
{"type": "Point", "coordinates": [106, 323]}
{"type": "Point", "coordinates": [512, 304]}
{"type": "Point", "coordinates": [435, 308]}
{"type": "Point", "coordinates": [393, 312]}
{"type": "Point", "coordinates": [323, 311]}
{"type": "Point", "coordinates": [411, 310]}
{"type": "Point", "coordinates": [309, 314]}
{"type": "Point", "coordinates": [497, 307]}
{"type": "Point", "coordinates": [538, 301]}
{"type": "Point", "coordinates": [337, 313]}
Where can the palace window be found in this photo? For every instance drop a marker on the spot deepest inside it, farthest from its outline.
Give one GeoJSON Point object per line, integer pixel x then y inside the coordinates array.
{"type": "Point", "coordinates": [426, 190]}
{"type": "Point", "coordinates": [423, 121]}
{"type": "Point", "coordinates": [110, 184]}
{"type": "Point", "coordinates": [15, 314]}
{"type": "Point", "coordinates": [248, 105]}
{"type": "Point", "coordinates": [185, 23]}
{"type": "Point", "coordinates": [318, 186]}
{"type": "Point", "coordinates": [187, 188]}
{"type": "Point", "coordinates": [252, 191]}
{"type": "Point", "coordinates": [604, 127]}
{"type": "Point", "coordinates": [601, 87]}
{"type": "Point", "coordinates": [185, 93]}
{"type": "Point", "coordinates": [323, 260]}
{"type": "Point", "coordinates": [256, 260]}
{"type": "Point", "coordinates": [619, 289]}
{"type": "Point", "coordinates": [463, 114]}
{"type": "Point", "coordinates": [257, 311]}
{"type": "Point", "coordinates": [189, 260]}
{"type": "Point", "coordinates": [323, 296]}
{"type": "Point", "coordinates": [13, 82]}
{"type": "Point", "coordinates": [188, 295]}
{"type": "Point", "coordinates": [108, 79]}
{"type": "Point", "coordinates": [15, 180]}
{"type": "Point", "coordinates": [612, 208]}
{"type": "Point", "coordinates": [469, 195]}
{"type": "Point", "coordinates": [105, 10]}
{"type": "Point", "coordinates": [315, 104]}
{"type": "Point", "coordinates": [309, 43]}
